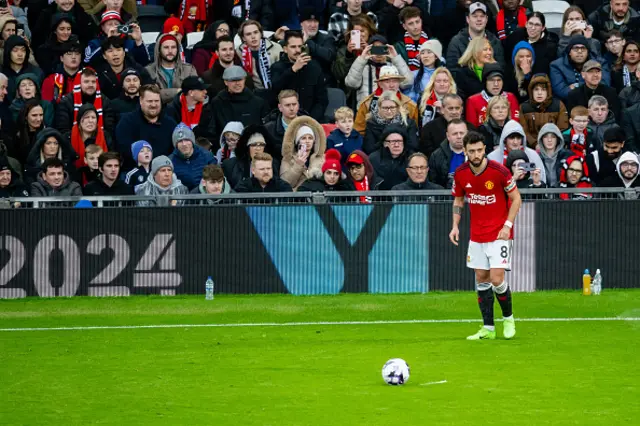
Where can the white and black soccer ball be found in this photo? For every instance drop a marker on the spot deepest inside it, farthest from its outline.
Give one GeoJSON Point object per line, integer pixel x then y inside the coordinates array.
{"type": "Point", "coordinates": [395, 372]}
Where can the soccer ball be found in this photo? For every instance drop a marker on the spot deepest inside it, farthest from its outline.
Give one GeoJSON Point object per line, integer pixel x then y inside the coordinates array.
{"type": "Point", "coordinates": [395, 372]}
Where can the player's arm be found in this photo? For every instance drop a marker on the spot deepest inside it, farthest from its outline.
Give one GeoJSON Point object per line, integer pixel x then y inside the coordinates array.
{"type": "Point", "coordinates": [516, 203]}
{"type": "Point", "coordinates": [458, 205]}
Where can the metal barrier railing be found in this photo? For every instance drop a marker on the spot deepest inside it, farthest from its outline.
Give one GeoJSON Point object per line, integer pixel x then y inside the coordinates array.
{"type": "Point", "coordinates": [345, 197]}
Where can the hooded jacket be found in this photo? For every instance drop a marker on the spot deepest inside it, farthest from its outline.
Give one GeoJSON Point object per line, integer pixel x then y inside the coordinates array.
{"type": "Point", "coordinates": [601, 166]}
{"type": "Point", "coordinates": [584, 182]}
{"type": "Point", "coordinates": [180, 72]}
{"type": "Point", "coordinates": [393, 171]}
{"type": "Point", "coordinates": [16, 187]}
{"type": "Point", "coordinates": [552, 160]}
{"type": "Point", "coordinates": [111, 84]}
{"type": "Point", "coordinates": [69, 188]}
{"type": "Point", "coordinates": [239, 167]}
{"type": "Point", "coordinates": [18, 102]}
{"type": "Point", "coordinates": [4, 19]}
{"type": "Point", "coordinates": [232, 126]}
{"type": "Point", "coordinates": [375, 181]}
{"type": "Point", "coordinates": [245, 107]}
{"type": "Point", "coordinates": [476, 106]}
{"type": "Point", "coordinates": [200, 190]}
{"type": "Point", "coordinates": [290, 170]}
{"type": "Point", "coordinates": [34, 160]}
{"type": "Point", "coordinates": [563, 73]}
{"type": "Point", "coordinates": [27, 68]}
{"type": "Point", "coordinates": [500, 155]}
{"type": "Point", "coordinates": [189, 170]}
{"type": "Point", "coordinates": [534, 115]}
{"type": "Point", "coordinates": [618, 180]}
{"type": "Point", "coordinates": [151, 188]}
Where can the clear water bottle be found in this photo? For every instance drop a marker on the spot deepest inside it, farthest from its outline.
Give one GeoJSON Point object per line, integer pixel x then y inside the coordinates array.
{"type": "Point", "coordinates": [597, 283]}
{"type": "Point", "coordinates": [208, 286]}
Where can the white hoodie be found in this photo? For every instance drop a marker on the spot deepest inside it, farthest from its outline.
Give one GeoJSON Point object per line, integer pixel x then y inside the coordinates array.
{"type": "Point", "coordinates": [510, 128]}
{"type": "Point", "coordinates": [627, 156]}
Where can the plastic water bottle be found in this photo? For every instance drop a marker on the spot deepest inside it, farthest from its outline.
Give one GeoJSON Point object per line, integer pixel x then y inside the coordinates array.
{"type": "Point", "coordinates": [208, 286]}
{"type": "Point", "coordinates": [597, 283]}
{"type": "Point", "coordinates": [586, 283]}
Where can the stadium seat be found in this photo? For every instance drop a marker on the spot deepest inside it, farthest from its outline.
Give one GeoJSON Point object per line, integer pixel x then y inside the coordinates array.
{"type": "Point", "coordinates": [193, 38]}
{"type": "Point", "coordinates": [151, 17]}
{"type": "Point", "coordinates": [552, 10]}
{"type": "Point", "coordinates": [337, 99]}
{"type": "Point", "coordinates": [148, 38]}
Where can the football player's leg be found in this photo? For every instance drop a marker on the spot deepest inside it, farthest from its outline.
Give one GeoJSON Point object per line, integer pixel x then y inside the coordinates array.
{"type": "Point", "coordinates": [485, 302]}
{"type": "Point", "coordinates": [500, 260]}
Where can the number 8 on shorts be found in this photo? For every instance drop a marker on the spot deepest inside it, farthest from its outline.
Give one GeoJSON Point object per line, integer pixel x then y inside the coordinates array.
{"type": "Point", "coordinates": [493, 255]}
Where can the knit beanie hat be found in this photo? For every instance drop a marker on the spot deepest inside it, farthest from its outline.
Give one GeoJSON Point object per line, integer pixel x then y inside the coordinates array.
{"type": "Point", "coordinates": [514, 156]}
{"type": "Point", "coordinates": [182, 132]}
{"type": "Point", "coordinates": [136, 147]}
{"type": "Point", "coordinates": [433, 45]}
{"type": "Point", "coordinates": [256, 138]}
{"type": "Point", "coordinates": [332, 161]}
{"type": "Point", "coordinates": [160, 162]}
{"type": "Point", "coordinates": [304, 130]}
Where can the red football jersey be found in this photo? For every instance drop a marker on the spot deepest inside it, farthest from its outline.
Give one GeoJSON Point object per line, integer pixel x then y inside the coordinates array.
{"type": "Point", "coordinates": [487, 197]}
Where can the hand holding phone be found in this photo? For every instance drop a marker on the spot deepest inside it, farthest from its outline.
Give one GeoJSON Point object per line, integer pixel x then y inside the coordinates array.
{"type": "Point", "coordinates": [528, 167]}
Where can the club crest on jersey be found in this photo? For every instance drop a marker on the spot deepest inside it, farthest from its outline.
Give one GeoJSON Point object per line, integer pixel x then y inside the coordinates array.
{"type": "Point", "coordinates": [489, 185]}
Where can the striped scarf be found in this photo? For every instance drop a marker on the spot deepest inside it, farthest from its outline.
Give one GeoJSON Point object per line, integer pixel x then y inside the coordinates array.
{"type": "Point", "coordinates": [60, 82]}
{"type": "Point", "coordinates": [77, 101]}
{"type": "Point", "coordinates": [413, 51]}
{"type": "Point", "coordinates": [264, 66]}
{"type": "Point", "coordinates": [500, 22]}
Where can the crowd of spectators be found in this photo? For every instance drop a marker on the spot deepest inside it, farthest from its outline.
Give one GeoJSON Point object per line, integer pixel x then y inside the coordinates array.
{"type": "Point", "coordinates": [346, 95]}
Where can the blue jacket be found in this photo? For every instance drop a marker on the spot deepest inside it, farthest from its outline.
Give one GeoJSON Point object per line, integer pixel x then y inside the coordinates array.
{"type": "Point", "coordinates": [563, 75]}
{"type": "Point", "coordinates": [93, 52]}
{"type": "Point", "coordinates": [346, 145]}
{"type": "Point", "coordinates": [416, 89]}
{"type": "Point", "coordinates": [189, 170]}
{"type": "Point", "coordinates": [133, 127]}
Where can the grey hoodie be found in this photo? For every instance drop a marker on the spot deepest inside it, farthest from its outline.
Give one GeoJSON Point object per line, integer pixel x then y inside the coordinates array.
{"type": "Point", "coordinates": [627, 156]}
{"type": "Point", "coordinates": [498, 154]}
{"type": "Point", "coordinates": [232, 126]}
{"type": "Point", "coordinates": [551, 161]}
{"type": "Point", "coordinates": [150, 187]}
{"type": "Point", "coordinates": [199, 190]}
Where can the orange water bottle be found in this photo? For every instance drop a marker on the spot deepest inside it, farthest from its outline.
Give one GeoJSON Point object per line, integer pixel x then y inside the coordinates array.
{"type": "Point", "coordinates": [586, 283]}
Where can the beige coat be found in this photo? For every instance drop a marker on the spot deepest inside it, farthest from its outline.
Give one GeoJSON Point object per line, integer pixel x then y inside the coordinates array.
{"type": "Point", "coordinates": [273, 51]}
{"type": "Point", "coordinates": [292, 172]}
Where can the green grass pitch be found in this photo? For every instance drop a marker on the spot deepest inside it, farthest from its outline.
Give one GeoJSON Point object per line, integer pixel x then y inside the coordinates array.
{"type": "Point", "coordinates": [552, 373]}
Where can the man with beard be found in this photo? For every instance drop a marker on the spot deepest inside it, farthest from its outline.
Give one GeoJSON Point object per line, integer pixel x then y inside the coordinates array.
{"type": "Point", "coordinates": [603, 161]}
{"type": "Point", "coordinates": [592, 76]}
{"type": "Point", "coordinates": [192, 107]}
{"type": "Point", "coordinates": [321, 46]}
{"type": "Point", "coordinates": [262, 178]}
{"type": "Point", "coordinates": [298, 71]}
{"type": "Point", "coordinates": [60, 83]}
{"type": "Point", "coordinates": [147, 123]}
{"type": "Point", "coordinates": [226, 57]}
{"type": "Point", "coordinates": [86, 91]}
{"type": "Point", "coordinates": [617, 15]}
{"type": "Point", "coordinates": [109, 183]}
{"type": "Point", "coordinates": [236, 103]}
{"type": "Point", "coordinates": [129, 98]}
{"type": "Point", "coordinates": [115, 62]}
{"type": "Point", "coordinates": [566, 71]}
{"type": "Point", "coordinates": [167, 70]}
{"type": "Point", "coordinates": [627, 175]}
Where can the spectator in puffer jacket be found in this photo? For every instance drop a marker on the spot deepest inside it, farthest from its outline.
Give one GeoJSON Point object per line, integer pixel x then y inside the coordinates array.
{"type": "Point", "coordinates": [541, 108]}
{"type": "Point", "coordinates": [188, 158]}
{"type": "Point", "coordinates": [54, 181]}
{"type": "Point", "coordinates": [391, 160]}
{"type": "Point", "coordinates": [162, 181]}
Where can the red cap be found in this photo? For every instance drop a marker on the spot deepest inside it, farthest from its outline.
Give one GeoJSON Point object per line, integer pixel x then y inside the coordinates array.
{"type": "Point", "coordinates": [332, 161]}
{"type": "Point", "coordinates": [173, 25]}
{"type": "Point", "coordinates": [355, 159]}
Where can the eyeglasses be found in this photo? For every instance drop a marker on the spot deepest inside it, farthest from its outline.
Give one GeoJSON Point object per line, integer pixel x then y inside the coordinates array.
{"type": "Point", "coordinates": [576, 171]}
{"type": "Point", "coordinates": [579, 49]}
{"type": "Point", "coordinates": [394, 141]}
{"type": "Point", "coordinates": [418, 168]}
{"type": "Point", "coordinates": [391, 108]}
{"type": "Point", "coordinates": [234, 140]}
{"type": "Point", "coordinates": [629, 165]}
{"type": "Point", "coordinates": [355, 166]}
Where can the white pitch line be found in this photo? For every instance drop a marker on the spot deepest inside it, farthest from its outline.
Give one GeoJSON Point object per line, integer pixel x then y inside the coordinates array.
{"type": "Point", "coordinates": [433, 383]}
{"type": "Point", "coordinates": [298, 324]}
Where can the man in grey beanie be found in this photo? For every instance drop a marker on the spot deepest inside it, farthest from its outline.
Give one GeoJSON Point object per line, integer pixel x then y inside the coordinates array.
{"type": "Point", "coordinates": [162, 181]}
{"type": "Point", "coordinates": [188, 158]}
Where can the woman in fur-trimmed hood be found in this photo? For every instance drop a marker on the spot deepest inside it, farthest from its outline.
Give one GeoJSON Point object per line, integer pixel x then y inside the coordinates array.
{"type": "Point", "coordinates": [303, 148]}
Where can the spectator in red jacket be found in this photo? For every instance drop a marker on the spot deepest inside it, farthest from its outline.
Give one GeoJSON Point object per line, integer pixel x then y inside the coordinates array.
{"type": "Point", "coordinates": [60, 83]}
{"type": "Point", "coordinates": [493, 81]}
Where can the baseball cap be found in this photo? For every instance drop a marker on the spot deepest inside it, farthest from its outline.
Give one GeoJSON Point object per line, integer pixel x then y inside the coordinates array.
{"type": "Point", "coordinates": [354, 159]}
{"type": "Point", "coordinates": [193, 83]}
{"type": "Point", "coordinates": [591, 65]}
{"type": "Point", "coordinates": [473, 7]}
{"type": "Point", "coordinates": [234, 73]}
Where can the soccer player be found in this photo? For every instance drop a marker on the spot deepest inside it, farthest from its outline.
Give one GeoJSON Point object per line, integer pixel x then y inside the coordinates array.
{"type": "Point", "coordinates": [494, 202]}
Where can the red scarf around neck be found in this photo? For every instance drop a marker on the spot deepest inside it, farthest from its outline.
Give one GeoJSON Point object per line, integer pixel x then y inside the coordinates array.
{"type": "Point", "coordinates": [363, 186]}
{"type": "Point", "coordinates": [247, 59]}
{"type": "Point", "coordinates": [500, 25]}
{"type": "Point", "coordinates": [190, 118]}
{"type": "Point", "coordinates": [214, 58]}
{"type": "Point", "coordinates": [77, 100]}
{"type": "Point", "coordinates": [578, 144]}
{"type": "Point", "coordinates": [413, 51]}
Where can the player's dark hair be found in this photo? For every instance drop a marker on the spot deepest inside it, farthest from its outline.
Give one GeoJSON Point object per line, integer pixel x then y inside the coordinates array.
{"type": "Point", "coordinates": [472, 137]}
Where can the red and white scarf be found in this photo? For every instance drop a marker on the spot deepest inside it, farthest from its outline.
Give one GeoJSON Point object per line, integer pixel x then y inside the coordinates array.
{"type": "Point", "coordinates": [60, 84]}
{"type": "Point", "coordinates": [363, 186]}
{"type": "Point", "coordinates": [190, 118]}
{"type": "Point", "coordinates": [77, 100]}
{"type": "Point", "coordinates": [413, 51]}
{"type": "Point", "coordinates": [578, 142]}
{"type": "Point", "coordinates": [264, 65]}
